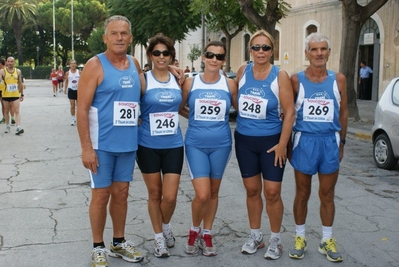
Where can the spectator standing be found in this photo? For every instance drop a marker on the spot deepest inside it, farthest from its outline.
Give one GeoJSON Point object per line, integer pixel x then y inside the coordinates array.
{"type": "Point", "coordinates": [364, 80]}
{"type": "Point", "coordinates": [107, 119]}
{"type": "Point", "coordinates": [71, 86]}
{"type": "Point", "coordinates": [261, 138]}
{"type": "Point", "coordinates": [208, 142]}
{"type": "Point", "coordinates": [2, 86]}
{"type": "Point", "coordinates": [187, 69]}
{"type": "Point", "coordinates": [318, 141]}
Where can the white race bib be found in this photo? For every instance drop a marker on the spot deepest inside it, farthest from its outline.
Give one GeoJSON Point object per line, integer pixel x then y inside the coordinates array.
{"type": "Point", "coordinates": [12, 87]}
{"type": "Point", "coordinates": [164, 123]}
{"type": "Point", "coordinates": [318, 110]}
{"type": "Point", "coordinates": [252, 107]}
{"type": "Point", "coordinates": [125, 113]}
{"type": "Point", "coordinates": [209, 109]}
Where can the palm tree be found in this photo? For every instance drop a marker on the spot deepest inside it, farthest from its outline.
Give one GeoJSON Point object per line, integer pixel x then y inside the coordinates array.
{"type": "Point", "coordinates": [18, 13]}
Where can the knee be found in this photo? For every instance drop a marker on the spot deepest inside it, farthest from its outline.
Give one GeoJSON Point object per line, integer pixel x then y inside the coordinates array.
{"type": "Point", "coordinates": [202, 197]}
{"type": "Point", "coordinates": [253, 192]}
{"type": "Point", "coordinates": [272, 195]}
{"type": "Point", "coordinates": [169, 200]}
{"type": "Point", "coordinates": [155, 195]}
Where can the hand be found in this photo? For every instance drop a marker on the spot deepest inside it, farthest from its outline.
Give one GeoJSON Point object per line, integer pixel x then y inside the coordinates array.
{"type": "Point", "coordinates": [280, 155]}
{"type": "Point", "coordinates": [90, 160]}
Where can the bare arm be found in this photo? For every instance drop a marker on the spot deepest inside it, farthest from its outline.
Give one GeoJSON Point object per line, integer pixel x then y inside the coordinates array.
{"type": "Point", "coordinates": [66, 82]}
{"type": "Point", "coordinates": [185, 90]}
{"type": "Point", "coordinates": [20, 85]}
{"type": "Point", "coordinates": [90, 78]}
{"type": "Point", "coordinates": [286, 97]}
{"type": "Point", "coordinates": [233, 91]}
{"type": "Point", "coordinates": [343, 111]}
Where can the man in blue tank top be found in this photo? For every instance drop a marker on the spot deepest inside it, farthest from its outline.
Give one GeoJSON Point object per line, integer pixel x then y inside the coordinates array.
{"type": "Point", "coordinates": [318, 141]}
{"type": "Point", "coordinates": [107, 120]}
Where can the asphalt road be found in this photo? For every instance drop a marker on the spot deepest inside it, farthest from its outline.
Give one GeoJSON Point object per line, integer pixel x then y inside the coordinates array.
{"type": "Point", "coordinates": [44, 198]}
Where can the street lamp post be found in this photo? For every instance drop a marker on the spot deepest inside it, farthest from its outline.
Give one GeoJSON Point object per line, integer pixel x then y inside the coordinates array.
{"type": "Point", "coordinates": [37, 53]}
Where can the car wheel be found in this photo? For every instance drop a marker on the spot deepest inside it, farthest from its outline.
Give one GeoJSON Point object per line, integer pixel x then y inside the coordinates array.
{"type": "Point", "coordinates": [383, 154]}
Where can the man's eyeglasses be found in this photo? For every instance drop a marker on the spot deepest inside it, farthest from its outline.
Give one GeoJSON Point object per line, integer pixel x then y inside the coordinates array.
{"type": "Point", "coordinates": [210, 55]}
{"type": "Point", "coordinates": [157, 53]}
{"type": "Point", "coordinates": [258, 47]}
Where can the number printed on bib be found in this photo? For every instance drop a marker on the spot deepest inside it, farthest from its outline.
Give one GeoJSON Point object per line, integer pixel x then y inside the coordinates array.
{"type": "Point", "coordinates": [252, 107]}
{"type": "Point", "coordinates": [125, 113]}
{"type": "Point", "coordinates": [209, 109]}
{"type": "Point", "coordinates": [12, 87]}
{"type": "Point", "coordinates": [164, 123]}
{"type": "Point", "coordinates": [318, 110]}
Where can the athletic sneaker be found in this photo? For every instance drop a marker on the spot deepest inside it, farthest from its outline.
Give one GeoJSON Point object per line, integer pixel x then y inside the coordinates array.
{"type": "Point", "coordinates": [126, 251]}
{"type": "Point", "coordinates": [19, 131]}
{"type": "Point", "coordinates": [298, 251]}
{"type": "Point", "coordinates": [8, 129]}
{"type": "Point", "coordinates": [329, 248]}
{"type": "Point", "coordinates": [169, 238]}
{"type": "Point", "coordinates": [252, 244]}
{"type": "Point", "coordinates": [274, 250]}
{"type": "Point", "coordinates": [192, 242]}
{"type": "Point", "coordinates": [205, 243]}
{"type": "Point", "coordinates": [99, 257]}
{"type": "Point", "coordinates": [73, 122]}
{"type": "Point", "coordinates": [160, 249]}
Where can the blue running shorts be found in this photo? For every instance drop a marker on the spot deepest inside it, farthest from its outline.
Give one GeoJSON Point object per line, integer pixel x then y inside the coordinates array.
{"type": "Point", "coordinates": [253, 159]}
{"type": "Point", "coordinates": [315, 153]}
{"type": "Point", "coordinates": [207, 162]}
{"type": "Point", "coordinates": [113, 167]}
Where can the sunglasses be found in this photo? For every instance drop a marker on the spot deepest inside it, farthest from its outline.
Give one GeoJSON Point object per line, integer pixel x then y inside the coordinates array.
{"type": "Point", "coordinates": [210, 55]}
{"type": "Point", "coordinates": [258, 47]}
{"type": "Point", "coordinates": [157, 53]}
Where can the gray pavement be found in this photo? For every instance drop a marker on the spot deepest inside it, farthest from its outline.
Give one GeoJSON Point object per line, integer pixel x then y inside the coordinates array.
{"type": "Point", "coordinates": [45, 194]}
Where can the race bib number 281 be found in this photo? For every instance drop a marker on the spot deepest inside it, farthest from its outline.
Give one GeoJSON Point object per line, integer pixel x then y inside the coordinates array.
{"type": "Point", "coordinates": [125, 113]}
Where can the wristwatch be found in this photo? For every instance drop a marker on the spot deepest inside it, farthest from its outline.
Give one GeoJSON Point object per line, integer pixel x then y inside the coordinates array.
{"type": "Point", "coordinates": [343, 141]}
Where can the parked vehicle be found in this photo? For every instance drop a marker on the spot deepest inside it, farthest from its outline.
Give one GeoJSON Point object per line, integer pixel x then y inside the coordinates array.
{"type": "Point", "coordinates": [385, 131]}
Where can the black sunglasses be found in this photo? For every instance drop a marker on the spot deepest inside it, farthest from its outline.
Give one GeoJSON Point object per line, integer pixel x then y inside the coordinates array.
{"type": "Point", "coordinates": [157, 53]}
{"type": "Point", "coordinates": [210, 55]}
{"type": "Point", "coordinates": [258, 47]}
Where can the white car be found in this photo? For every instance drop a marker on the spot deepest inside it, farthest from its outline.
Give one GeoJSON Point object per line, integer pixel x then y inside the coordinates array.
{"type": "Point", "coordinates": [385, 131]}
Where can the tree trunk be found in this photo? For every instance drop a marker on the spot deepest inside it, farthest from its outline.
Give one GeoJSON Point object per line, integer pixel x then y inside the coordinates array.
{"type": "Point", "coordinates": [353, 18]}
{"type": "Point", "coordinates": [17, 27]}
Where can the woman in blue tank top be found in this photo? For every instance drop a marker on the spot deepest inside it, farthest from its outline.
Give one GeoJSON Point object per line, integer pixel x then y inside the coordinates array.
{"type": "Point", "coordinates": [264, 124]}
{"type": "Point", "coordinates": [207, 142]}
{"type": "Point", "coordinates": [160, 141]}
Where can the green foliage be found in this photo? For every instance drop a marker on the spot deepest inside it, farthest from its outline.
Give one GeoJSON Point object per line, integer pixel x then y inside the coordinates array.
{"type": "Point", "coordinates": [171, 17]}
{"type": "Point", "coordinates": [194, 54]}
{"type": "Point", "coordinates": [95, 41]}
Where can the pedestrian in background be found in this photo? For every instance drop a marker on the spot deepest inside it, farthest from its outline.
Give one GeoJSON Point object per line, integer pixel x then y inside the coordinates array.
{"type": "Point", "coordinates": [207, 142]}
{"type": "Point", "coordinates": [261, 137]}
{"type": "Point", "coordinates": [60, 77]}
{"type": "Point", "coordinates": [364, 80]}
{"type": "Point", "coordinates": [318, 142]}
{"type": "Point", "coordinates": [12, 95]}
{"type": "Point", "coordinates": [71, 86]}
{"type": "Point", "coordinates": [160, 152]}
{"type": "Point", "coordinates": [54, 81]}
{"type": "Point", "coordinates": [2, 86]}
{"type": "Point", "coordinates": [108, 108]}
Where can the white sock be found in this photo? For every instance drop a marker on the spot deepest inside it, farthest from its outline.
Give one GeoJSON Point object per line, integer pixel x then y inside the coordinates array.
{"type": "Point", "coordinates": [158, 235]}
{"type": "Point", "coordinates": [206, 231]}
{"type": "Point", "coordinates": [165, 226]}
{"type": "Point", "coordinates": [275, 235]}
{"type": "Point", "coordinates": [300, 230]}
{"type": "Point", "coordinates": [256, 233]}
{"type": "Point", "coordinates": [195, 229]}
{"type": "Point", "coordinates": [327, 232]}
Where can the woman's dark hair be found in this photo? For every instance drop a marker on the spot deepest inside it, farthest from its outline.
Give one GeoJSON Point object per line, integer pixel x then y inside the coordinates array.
{"type": "Point", "coordinates": [161, 39]}
{"type": "Point", "coordinates": [215, 43]}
